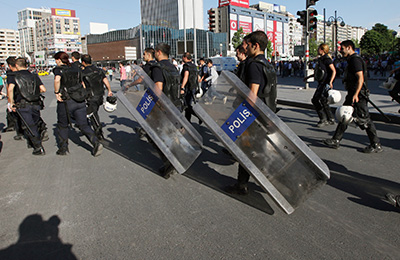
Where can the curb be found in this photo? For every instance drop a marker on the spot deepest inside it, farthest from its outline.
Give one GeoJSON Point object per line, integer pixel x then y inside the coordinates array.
{"type": "Point", "coordinates": [394, 119]}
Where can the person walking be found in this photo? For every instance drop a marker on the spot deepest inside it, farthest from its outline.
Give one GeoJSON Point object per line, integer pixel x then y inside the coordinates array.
{"type": "Point", "coordinates": [324, 74]}
{"type": "Point", "coordinates": [357, 96]}
{"type": "Point", "coordinates": [71, 95]}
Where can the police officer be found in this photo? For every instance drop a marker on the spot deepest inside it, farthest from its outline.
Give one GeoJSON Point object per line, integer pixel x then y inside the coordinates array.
{"type": "Point", "coordinates": [357, 96]}
{"type": "Point", "coordinates": [71, 94]}
{"type": "Point", "coordinates": [148, 57]}
{"type": "Point", "coordinates": [203, 70]}
{"type": "Point", "coordinates": [260, 84]}
{"type": "Point", "coordinates": [26, 102]}
{"type": "Point", "coordinates": [325, 74]}
{"type": "Point", "coordinates": [190, 79]}
{"type": "Point", "coordinates": [241, 56]}
{"type": "Point", "coordinates": [12, 117]}
{"type": "Point", "coordinates": [75, 57]}
{"type": "Point", "coordinates": [161, 73]}
{"type": "Point", "coordinates": [95, 80]}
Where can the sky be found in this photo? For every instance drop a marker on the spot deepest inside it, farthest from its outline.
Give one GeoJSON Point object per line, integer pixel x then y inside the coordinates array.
{"type": "Point", "coordinates": [123, 14]}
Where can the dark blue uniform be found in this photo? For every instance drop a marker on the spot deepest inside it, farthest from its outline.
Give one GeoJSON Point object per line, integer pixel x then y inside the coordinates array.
{"type": "Point", "coordinates": [76, 110]}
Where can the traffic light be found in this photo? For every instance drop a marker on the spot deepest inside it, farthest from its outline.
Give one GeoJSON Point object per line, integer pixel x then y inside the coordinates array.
{"type": "Point", "coordinates": [312, 20]}
{"type": "Point", "coordinates": [311, 2]}
{"type": "Point", "coordinates": [303, 17]}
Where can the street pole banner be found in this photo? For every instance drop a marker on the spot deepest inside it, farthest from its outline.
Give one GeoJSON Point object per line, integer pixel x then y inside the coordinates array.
{"type": "Point", "coordinates": [163, 122]}
{"type": "Point", "coordinates": [262, 143]}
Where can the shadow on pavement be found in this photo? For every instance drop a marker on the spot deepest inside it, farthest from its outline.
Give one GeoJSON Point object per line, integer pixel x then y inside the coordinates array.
{"type": "Point", "coordinates": [201, 172]}
{"type": "Point", "coordinates": [38, 240]}
{"type": "Point", "coordinates": [367, 190]}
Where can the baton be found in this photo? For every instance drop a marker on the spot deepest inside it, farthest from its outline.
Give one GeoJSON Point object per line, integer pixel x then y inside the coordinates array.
{"type": "Point", "coordinates": [68, 115]}
{"type": "Point", "coordinates": [24, 122]}
{"type": "Point", "coordinates": [376, 107]}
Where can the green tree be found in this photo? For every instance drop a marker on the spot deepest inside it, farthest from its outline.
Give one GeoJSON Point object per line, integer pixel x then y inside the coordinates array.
{"type": "Point", "coordinates": [238, 38]}
{"type": "Point", "coordinates": [313, 46]}
{"type": "Point", "coordinates": [269, 50]}
{"type": "Point", "coordinates": [371, 43]}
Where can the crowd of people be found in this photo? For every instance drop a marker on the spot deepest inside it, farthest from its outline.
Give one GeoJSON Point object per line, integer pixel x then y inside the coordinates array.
{"type": "Point", "coordinates": [79, 89]}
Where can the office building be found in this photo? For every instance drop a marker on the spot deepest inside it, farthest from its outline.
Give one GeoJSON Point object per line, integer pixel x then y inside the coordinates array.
{"type": "Point", "coordinates": [58, 31]}
{"type": "Point", "coordinates": [27, 28]}
{"type": "Point", "coordinates": [9, 44]}
{"type": "Point", "coordinates": [175, 14]}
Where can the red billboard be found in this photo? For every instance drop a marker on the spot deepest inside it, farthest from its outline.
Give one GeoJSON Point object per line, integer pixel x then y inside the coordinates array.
{"type": "Point", "coordinates": [240, 3]}
{"type": "Point", "coordinates": [62, 12]}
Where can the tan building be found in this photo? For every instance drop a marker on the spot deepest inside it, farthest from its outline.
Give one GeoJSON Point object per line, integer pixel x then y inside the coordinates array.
{"type": "Point", "coordinates": [58, 31]}
{"type": "Point", "coordinates": [9, 44]}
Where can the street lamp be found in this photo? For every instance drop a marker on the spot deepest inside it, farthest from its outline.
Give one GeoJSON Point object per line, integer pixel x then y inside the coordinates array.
{"type": "Point", "coordinates": [335, 20]}
{"type": "Point", "coordinates": [220, 49]}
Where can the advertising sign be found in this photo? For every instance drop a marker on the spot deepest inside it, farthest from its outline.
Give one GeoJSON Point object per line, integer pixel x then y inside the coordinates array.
{"type": "Point", "coordinates": [240, 3]}
{"type": "Point", "coordinates": [258, 25]}
{"type": "Point", "coordinates": [62, 12]}
{"type": "Point", "coordinates": [245, 23]}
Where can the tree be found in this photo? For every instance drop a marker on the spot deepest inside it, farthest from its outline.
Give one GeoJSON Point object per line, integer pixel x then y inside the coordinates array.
{"type": "Point", "coordinates": [269, 50]}
{"type": "Point", "coordinates": [313, 46]}
{"type": "Point", "coordinates": [371, 43]}
{"type": "Point", "coordinates": [238, 38]}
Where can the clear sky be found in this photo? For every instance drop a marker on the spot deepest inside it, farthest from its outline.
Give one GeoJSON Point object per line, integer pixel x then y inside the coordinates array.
{"type": "Point", "coordinates": [123, 14]}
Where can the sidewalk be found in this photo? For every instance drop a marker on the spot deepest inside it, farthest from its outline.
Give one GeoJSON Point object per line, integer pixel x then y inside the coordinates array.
{"type": "Point", "coordinates": [291, 92]}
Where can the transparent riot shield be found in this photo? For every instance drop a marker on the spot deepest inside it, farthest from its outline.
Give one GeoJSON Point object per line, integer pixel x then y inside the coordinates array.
{"type": "Point", "coordinates": [163, 122]}
{"type": "Point", "coordinates": [263, 144]}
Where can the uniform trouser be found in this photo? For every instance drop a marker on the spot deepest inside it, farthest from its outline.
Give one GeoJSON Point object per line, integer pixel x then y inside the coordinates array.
{"type": "Point", "coordinates": [78, 112]}
{"type": "Point", "coordinates": [395, 92]}
{"type": "Point", "coordinates": [31, 115]}
{"type": "Point", "coordinates": [189, 100]}
{"type": "Point", "coordinates": [362, 117]}
{"type": "Point", "coordinates": [320, 102]}
{"type": "Point", "coordinates": [93, 105]}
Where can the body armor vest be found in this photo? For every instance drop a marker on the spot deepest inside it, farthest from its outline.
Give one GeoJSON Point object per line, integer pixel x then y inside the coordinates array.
{"type": "Point", "coordinates": [28, 86]}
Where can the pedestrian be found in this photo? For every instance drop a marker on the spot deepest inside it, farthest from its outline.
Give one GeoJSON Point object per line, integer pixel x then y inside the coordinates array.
{"type": "Point", "coordinates": [395, 92]}
{"type": "Point", "coordinates": [26, 103]}
{"type": "Point", "coordinates": [241, 56]}
{"type": "Point", "coordinates": [122, 77]}
{"type": "Point", "coordinates": [167, 79]}
{"type": "Point", "coordinates": [148, 57]}
{"type": "Point", "coordinates": [190, 83]}
{"type": "Point", "coordinates": [324, 74]}
{"type": "Point", "coordinates": [261, 84]}
{"type": "Point", "coordinates": [357, 96]}
{"type": "Point", "coordinates": [2, 94]}
{"type": "Point", "coordinates": [95, 80]}
{"type": "Point", "coordinates": [203, 75]}
{"type": "Point", "coordinates": [212, 93]}
{"type": "Point", "coordinates": [71, 94]}
{"type": "Point", "coordinates": [110, 73]}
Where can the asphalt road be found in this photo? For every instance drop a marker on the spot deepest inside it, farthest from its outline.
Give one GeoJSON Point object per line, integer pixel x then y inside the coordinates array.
{"type": "Point", "coordinates": [116, 206]}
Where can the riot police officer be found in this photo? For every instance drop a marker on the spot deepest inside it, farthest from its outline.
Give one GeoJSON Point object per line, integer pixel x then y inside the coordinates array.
{"type": "Point", "coordinates": [357, 96]}
{"type": "Point", "coordinates": [261, 82]}
{"type": "Point", "coordinates": [167, 79]}
{"type": "Point", "coordinates": [95, 80]}
{"type": "Point", "coordinates": [71, 95]}
{"type": "Point", "coordinates": [190, 79]}
{"type": "Point", "coordinates": [26, 102]}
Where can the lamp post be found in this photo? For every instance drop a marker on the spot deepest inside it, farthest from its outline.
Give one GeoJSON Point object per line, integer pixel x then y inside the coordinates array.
{"type": "Point", "coordinates": [220, 49]}
{"type": "Point", "coordinates": [335, 20]}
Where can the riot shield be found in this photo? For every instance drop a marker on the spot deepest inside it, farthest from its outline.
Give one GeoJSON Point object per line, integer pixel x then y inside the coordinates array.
{"type": "Point", "coordinates": [163, 122]}
{"type": "Point", "coordinates": [262, 143]}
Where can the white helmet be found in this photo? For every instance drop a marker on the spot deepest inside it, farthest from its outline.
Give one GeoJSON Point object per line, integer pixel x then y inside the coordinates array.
{"type": "Point", "coordinates": [389, 83]}
{"type": "Point", "coordinates": [200, 93]}
{"type": "Point", "coordinates": [344, 114]}
{"type": "Point", "coordinates": [334, 96]}
{"type": "Point", "coordinates": [111, 104]}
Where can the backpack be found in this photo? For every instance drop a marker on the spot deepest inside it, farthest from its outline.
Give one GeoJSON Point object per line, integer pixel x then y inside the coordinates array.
{"type": "Point", "coordinates": [319, 73]}
{"type": "Point", "coordinates": [94, 82]}
{"type": "Point", "coordinates": [29, 87]}
{"type": "Point", "coordinates": [193, 73]}
{"type": "Point", "coordinates": [71, 84]}
{"type": "Point", "coordinates": [172, 87]}
{"type": "Point", "coordinates": [269, 91]}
